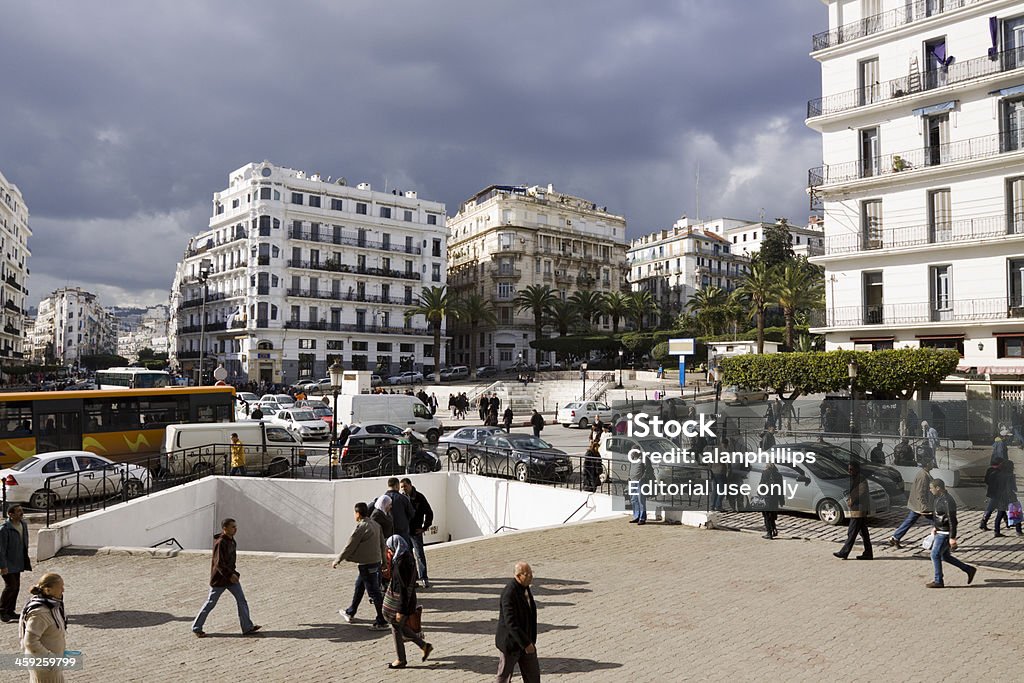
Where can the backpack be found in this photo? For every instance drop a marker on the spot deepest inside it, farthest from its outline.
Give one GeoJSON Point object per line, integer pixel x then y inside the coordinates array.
{"type": "Point", "coordinates": [385, 569]}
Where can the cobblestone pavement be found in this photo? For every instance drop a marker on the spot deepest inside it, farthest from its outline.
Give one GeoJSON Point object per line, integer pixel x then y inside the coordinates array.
{"type": "Point", "coordinates": [617, 603]}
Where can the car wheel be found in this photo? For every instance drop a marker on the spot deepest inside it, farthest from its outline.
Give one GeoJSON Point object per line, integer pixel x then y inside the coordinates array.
{"type": "Point", "coordinates": [353, 471]}
{"type": "Point", "coordinates": [421, 468]}
{"type": "Point", "coordinates": [454, 455]}
{"type": "Point", "coordinates": [433, 436]}
{"type": "Point", "coordinates": [277, 467]}
{"type": "Point", "coordinates": [522, 472]}
{"type": "Point", "coordinates": [202, 469]}
{"type": "Point", "coordinates": [43, 500]}
{"type": "Point", "coordinates": [566, 426]}
{"type": "Point", "coordinates": [134, 488]}
{"type": "Point", "coordinates": [583, 423]}
{"type": "Point", "coordinates": [830, 512]}
{"type": "Point", "coordinates": [476, 466]}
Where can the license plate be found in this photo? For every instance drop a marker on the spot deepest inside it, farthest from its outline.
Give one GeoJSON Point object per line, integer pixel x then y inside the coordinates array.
{"type": "Point", "coordinates": [563, 468]}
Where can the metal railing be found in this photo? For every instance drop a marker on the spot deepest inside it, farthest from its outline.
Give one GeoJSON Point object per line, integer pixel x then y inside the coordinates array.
{"type": "Point", "coordinates": [351, 296]}
{"type": "Point", "coordinates": [885, 237]}
{"type": "Point", "coordinates": [347, 327]}
{"type": "Point", "coordinates": [908, 161]}
{"type": "Point", "coordinates": [335, 267]}
{"type": "Point", "coordinates": [350, 240]}
{"type": "Point", "coordinates": [998, 308]}
{"type": "Point", "coordinates": [876, 23]}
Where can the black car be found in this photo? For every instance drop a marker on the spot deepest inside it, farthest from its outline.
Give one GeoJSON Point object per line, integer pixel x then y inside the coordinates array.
{"type": "Point", "coordinates": [377, 455]}
{"type": "Point", "coordinates": [889, 478]}
{"type": "Point", "coordinates": [524, 457]}
{"type": "Point", "coordinates": [486, 371]}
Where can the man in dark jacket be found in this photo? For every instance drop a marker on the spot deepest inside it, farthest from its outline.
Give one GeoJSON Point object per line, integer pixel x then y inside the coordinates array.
{"type": "Point", "coordinates": [944, 541]}
{"type": "Point", "coordinates": [537, 422]}
{"type": "Point", "coordinates": [859, 502]}
{"type": "Point", "coordinates": [516, 637]}
{"type": "Point", "coordinates": [365, 548]}
{"type": "Point", "coordinates": [13, 560]}
{"type": "Point", "coordinates": [422, 520]}
{"type": "Point", "coordinates": [401, 510]}
{"type": "Point", "coordinates": [224, 577]}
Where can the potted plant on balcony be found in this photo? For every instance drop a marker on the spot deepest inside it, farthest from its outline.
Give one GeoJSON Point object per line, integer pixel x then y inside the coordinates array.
{"type": "Point", "coordinates": [899, 163]}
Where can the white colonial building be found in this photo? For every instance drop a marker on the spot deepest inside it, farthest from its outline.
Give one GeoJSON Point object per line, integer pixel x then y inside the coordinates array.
{"type": "Point", "coordinates": [805, 241]}
{"type": "Point", "coordinates": [71, 324]}
{"type": "Point", "coordinates": [296, 271]}
{"type": "Point", "coordinates": [506, 238]}
{"type": "Point", "coordinates": [147, 330]}
{"type": "Point", "coordinates": [922, 125]}
{"type": "Point", "coordinates": [14, 254]}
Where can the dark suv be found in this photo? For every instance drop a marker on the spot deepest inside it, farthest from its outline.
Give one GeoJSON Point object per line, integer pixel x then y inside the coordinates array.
{"type": "Point", "coordinates": [368, 454]}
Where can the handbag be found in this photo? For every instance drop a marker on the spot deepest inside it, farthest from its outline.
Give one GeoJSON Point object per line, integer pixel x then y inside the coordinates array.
{"type": "Point", "coordinates": [414, 622]}
{"type": "Point", "coordinates": [926, 542]}
{"type": "Point", "coordinates": [757, 504]}
{"type": "Point", "coordinates": [392, 604]}
{"type": "Point", "coordinates": [1014, 513]}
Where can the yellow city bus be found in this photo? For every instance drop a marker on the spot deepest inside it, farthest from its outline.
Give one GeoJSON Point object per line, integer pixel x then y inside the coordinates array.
{"type": "Point", "coordinates": [117, 423]}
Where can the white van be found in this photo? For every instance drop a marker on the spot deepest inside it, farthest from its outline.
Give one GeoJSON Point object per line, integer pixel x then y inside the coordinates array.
{"type": "Point", "coordinates": [400, 410]}
{"type": "Point", "coordinates": [201, 448]}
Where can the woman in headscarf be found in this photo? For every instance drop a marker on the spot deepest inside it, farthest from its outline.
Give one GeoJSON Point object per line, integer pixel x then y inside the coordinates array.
{"type": "Point", "coordinates": [382, 515]}
{"type": "Point", "coordinates": [403, 586]}
{"type": "Point", "coordinates": [43, 626]}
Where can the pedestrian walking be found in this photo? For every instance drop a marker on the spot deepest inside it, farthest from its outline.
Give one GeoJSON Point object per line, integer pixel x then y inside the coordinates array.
{"type": "Point", "coordinates": [903, 453]}
{"type": "Point", "coordinates": [14, 560]}
{"type": "Point", "coordinates": [484, 405]}
{"type": "Point", "coordinates": [931, 436]}
{"type": "Point", "coordinates": [1007, 483]}
{"type": "Point", "coordinates": [859, 502]}
{"type": "Point", "coordinates": [537, 422]}
{"type": "Point", "coordinates": [993, 490]}
{"type": "Point", "coordinates": [771, 484]}
{"type": "Point", "coordinates": [516, 636]}
{"type": "Point", "coordinates": [366, 549]}
{"type": "Point", "coordinates": [944, 535]}
{"type": "Point", "coordinates": [999, 451]}
{"type": "Point", "coordinates": [506, 419]}
{"type": "Point", "coordinates": [43, 627]}
{"type": "Point", "coordinates": [592, 466]}
{"type": "Point", "coordinates": [401, 510]}
{"type": "Point", "coordinates": [237, 456]}
{"type": "Point", "coordinates": [422, 520]}
{"type": "Point", "coordinates": [224, 577]}
{"type": "Point", "coordinates": [920, 502]}
{"type": "Point", "coordinates": [492, 416]}
{"type": "Point", "coordinates": [401, 603]}
{"type": "Point", "coordinates": [640, 473]}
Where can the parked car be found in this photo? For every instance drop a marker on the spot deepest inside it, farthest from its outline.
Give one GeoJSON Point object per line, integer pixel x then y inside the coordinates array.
{"type": "Point", "coordinates": [615, 448]}
{"type": "Point", "coordinates": [203, 448]}
{"type": "Point", "coordinates": [248, 397]}
{"type": "Point", "coordinates": [302, 422]}
{"type": "Point", "coordinates": [520, 367]}
{"type": "Point", "coordinates": [72, 475]}
{"type": "Point", "coordinates": [457, 372]}
{"type": "Point", "coordinates": [376, 428]}
{"type": "Point", "coordinates": [524, 457]}
{"type": "Point", "coordinates": [406, 378]}
{"type": "Point", "coordinates": [544, 366]}
{"type": "Point", "coordinates": [585, 413]}
{"type": "Point", "coordinates": [821, 488]}
{"type": "Point", "coordinates": [377, 455]}
{"type": "Point", "coordinates": [734, 395]}
{"type": "Point", "coordinates": [324, 413]}
{"type": "Point", "coordinates": [376, 380]}
{"type": "Point", "coordinates": [486, 371]}
{"type": "Point", "coordinates": [889, 478]}
{"type": "Point", "coordinates": [277, 401]}
{"type": "Point", "coordinates": [454, 445]}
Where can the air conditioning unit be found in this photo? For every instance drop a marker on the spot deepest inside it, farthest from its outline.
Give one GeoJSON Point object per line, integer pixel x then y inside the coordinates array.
{"type": "Point", "coordinates": [568, 221]}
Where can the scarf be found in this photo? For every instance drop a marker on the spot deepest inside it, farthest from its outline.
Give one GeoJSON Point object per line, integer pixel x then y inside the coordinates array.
{"type": "Point", "coordinates": [55, 606]}
{"type": "Point", "coordinates": [384, 504]}
{"type": "Point", "coordinates": [398, 546]}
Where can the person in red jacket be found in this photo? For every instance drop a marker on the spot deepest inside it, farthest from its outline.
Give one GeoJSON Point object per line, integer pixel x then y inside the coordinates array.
{"type": "Point", "coordinates": [224, 577]}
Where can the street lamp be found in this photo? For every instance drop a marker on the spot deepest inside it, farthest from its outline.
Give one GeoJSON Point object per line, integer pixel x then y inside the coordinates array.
{"type": "Point", "coordinates": [851, 371]}
{"type": "Point", "coordinates": [583, 369]}
{"type": "Point", "coordinates": [204, 274]}
{"type": "Point", "coordinates": [620, 369]}
{"type": "Point", "coordinates": [337, 372]}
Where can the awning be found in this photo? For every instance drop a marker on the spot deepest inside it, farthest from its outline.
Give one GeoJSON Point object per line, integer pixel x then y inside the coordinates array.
{"type": "Point", "coordinates": [1008, 334]}
{"type": "Point", "coordinates": [1012, 90]}
{"type": "Point", "coordinates": [936, 108]}
{"type": "Point", "coordinates": [939, 336]}
{"type": "Point", "coordinates": [872, 339]}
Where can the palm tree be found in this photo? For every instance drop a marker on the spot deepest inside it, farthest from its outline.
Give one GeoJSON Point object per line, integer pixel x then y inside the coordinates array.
{"type": "Point", "coordinates": [588, 304]}
{"type": "Point", "coordinates": [616, 305]}
{"type": "Point", "coordinates": [562, 315]}
{"type": "Point", "coordinates": [795, 290]}
{"type": "Point", "coordinates": [735, 310]}
{"type": "Point", "coordinates": [707, 307]}
{"type": "Point", "coordinates": [640, 304]}
{"type": "Point", "coordinates": [434, 305]}
{"type": "Point", "coordinates": [536, 299]}
{"type": "Point", "coordinates": [474, 310]}
{"type": "Point", "coordinates": [759, 288]}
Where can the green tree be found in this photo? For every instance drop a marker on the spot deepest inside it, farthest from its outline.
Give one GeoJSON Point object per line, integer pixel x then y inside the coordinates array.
{"type": "Point", "coordinates": [616, 306]}
{"type": "Point", "coordinates": [640, 304]}
{"type": "Point", "coordinates": [434, 305]}
{"type": "Point", "coordinates": [735, 310]}
{"type": "Point", "coordinates": [776, 249]}
{"type": "Point", "coordinates": [102, 361]}
{"type": "Point", "coordinates": [795, 290]}
{"type": "Point", "coordinates": [707, 305]}
{"type": "Point", "coordinates": [474, 310]}
{"type": "Point", "coordinates": [562, 315]}
{"type": "Point", "coordinates": [536, 299]}
{"type": "Point", "coordinates": [758, 287]}
{"type": "Point", "coordinates": [589, 305]}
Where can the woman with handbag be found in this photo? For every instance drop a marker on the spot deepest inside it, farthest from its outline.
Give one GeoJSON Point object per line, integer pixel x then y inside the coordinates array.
{"type": "Point", "coordinates": [400, 607]}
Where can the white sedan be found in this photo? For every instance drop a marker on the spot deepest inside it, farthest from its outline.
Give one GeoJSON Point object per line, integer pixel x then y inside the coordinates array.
{"type": "Point", "coordinates": [406, 378]}
{"type": "Point", "coordinates": [741, 396]}
{"type": "Point", "coordinates": [301, 422]}
{"type": "Point", "coordinates": [583, 414]}
{"type": "Point", "coordinates": [71, 475]}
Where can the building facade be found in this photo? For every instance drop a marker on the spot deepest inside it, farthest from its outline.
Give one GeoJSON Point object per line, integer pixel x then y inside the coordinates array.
{"type": "Point", "coordinates": [142, 330]}
{"type": "Point", "coordinates": [806, 241]}
{"type": "Point", "coordinates": [922, 182]}
{"type": "Point", "coordinates": [70, 324]}
{"type": "Point", "coordinates": [506, 238]}
{"type": "Point", "coordinates": [14, 255]}
{"type": "Point", "coordinates": [295, 272]}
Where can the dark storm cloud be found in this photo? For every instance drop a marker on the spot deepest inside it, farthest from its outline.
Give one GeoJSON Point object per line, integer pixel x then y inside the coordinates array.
{"type": "Point", "coordinates": [122, 118]}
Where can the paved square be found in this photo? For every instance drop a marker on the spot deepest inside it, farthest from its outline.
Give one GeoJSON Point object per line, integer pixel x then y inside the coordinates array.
{"type": "Point", "coordinates": [617, 603]}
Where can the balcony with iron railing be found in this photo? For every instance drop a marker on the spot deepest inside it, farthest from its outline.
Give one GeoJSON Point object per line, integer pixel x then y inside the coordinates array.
{"type": "Point", "coordinates": [335, 267]}
{"type": "Point", "coordinates": [563, 278]}
{"type": "Point", "coordinates": [949, 232]}
{"type": "Point", "coordinates": [919, 159]}
{"type": "Point", "coordinates": [216, 296]}
{"type": "Point", "coordinates": [910, 13]}
{"type": "Point", "coordinates": [917, 82]}
{"type": "Point", "coordinates": [328, 237]}
{"type": "Point", "coordinates": [323, 325]}
{"type": "Point", "coordinates": [505, 272]}
{"type": "Point", "coordinates": [921, 312]}
{"type": "Point", "coordinates": [349, 296]}
{"type": "Point", "coordinates": [198, 329]}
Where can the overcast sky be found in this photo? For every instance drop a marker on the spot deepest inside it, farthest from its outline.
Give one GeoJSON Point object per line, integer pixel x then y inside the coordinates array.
{"type": "Point", "coordinates": [121, 118]}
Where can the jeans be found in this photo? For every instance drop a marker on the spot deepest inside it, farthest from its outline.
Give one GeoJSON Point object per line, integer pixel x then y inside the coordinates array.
{"type": "Point", "coordinates": [421, 558]}
{"type": "Point", "coordinates": [368, 581]}
{"type": "Point", "coordinates": [989, 509]}
{"type": "Point", "coordinates": [905, 527]}
{"type": "Point", "coordinates": [238, 471]}
{"type": "Point", "coordinates": [716, 497]}
{"type": "Point", "coordinates": [940, 552]}
{"type": "Point", "coordinates": [215, 592]}
{"type": "Point", "coordinates": [639, 503]}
